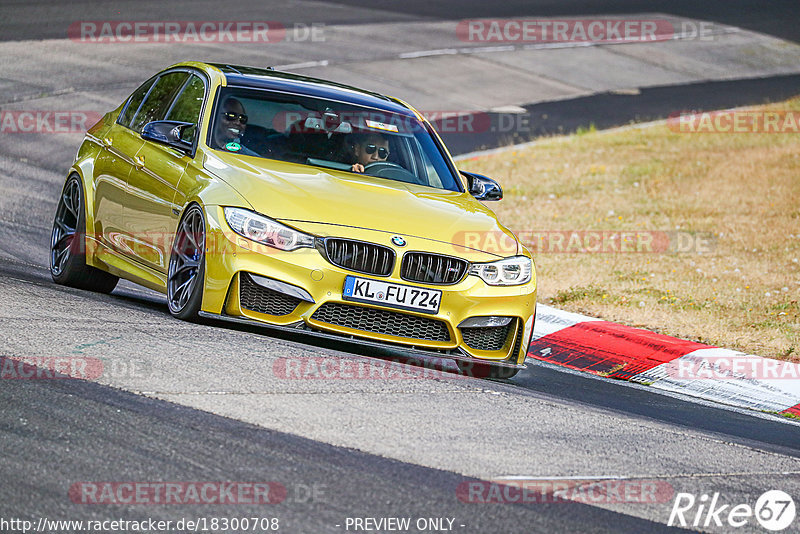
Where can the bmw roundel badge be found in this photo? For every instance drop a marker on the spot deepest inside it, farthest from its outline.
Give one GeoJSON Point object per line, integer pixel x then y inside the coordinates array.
{"type": "Point", "coordinates": [399, 241]}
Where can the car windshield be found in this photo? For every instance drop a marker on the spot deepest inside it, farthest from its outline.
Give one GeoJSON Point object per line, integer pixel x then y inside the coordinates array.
{"type": "Point", "coordinates": [324, 133]}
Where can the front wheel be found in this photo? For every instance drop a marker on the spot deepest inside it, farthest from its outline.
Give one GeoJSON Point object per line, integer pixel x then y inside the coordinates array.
{"type": "Point", "coordinates": [479, 370]}
{"type": "Point", "coordinates": [187, 266]}
{"type": "Point", "coordinates": [67, 244]}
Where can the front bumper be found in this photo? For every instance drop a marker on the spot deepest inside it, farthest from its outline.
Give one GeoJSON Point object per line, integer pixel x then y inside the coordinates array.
{"type": "Point", "coordinates": [300, 327]}
{"type": "Point", "coordinates": [307, 293]}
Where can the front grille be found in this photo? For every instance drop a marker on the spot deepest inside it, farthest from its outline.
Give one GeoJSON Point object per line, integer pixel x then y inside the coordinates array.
{"type": "Point", "coordinates": [432, 268]}
{"type": "Point", "coordinates": [259, 299]}
{"type": "Point", "coordinates": [382, 322]}
{"type": "Point", "coordinates": [486, 337]}
{"type": "Point", "coordinates": [359, 256]}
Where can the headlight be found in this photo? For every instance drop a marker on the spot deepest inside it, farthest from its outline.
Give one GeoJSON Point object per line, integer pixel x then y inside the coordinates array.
{"type": "Point", "coordinates": [264, 230]}
{"type": "Point", "coordinates": [508, 272]}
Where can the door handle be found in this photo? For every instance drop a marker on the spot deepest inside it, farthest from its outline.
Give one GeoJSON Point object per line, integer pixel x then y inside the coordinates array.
{"type": "Point", "coordinates": [138, 162]}
{"type": "Point", "coordinates": [107, 142]}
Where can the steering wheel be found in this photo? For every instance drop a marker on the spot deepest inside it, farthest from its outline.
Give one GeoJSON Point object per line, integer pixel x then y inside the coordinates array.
{"type": "Point", "coordinates": [391, 171]}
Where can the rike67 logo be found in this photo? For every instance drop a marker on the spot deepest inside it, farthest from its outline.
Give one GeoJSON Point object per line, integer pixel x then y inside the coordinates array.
{"type": "Point", "coordinates": [774, 510]}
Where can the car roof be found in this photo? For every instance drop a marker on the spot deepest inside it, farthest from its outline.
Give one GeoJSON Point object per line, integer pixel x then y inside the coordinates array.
{"type": "Point", "coordinates": [268, 78]}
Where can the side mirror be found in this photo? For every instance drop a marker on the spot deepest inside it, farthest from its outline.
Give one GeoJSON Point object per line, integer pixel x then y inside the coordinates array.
{"type": "Point", "coordinates": [168, 133]}
{"type": "Point", "coordinates": [482, 187]}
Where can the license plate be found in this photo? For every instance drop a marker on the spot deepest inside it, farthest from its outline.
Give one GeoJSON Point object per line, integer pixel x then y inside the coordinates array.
{"type": "Point", "coordinates": [391, 295]}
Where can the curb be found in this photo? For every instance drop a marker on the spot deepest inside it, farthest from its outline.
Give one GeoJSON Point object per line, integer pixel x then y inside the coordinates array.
{"type": "Point", "coordinates": [616, 351]}
{"type": "Point", "coordinates": [670, 364]}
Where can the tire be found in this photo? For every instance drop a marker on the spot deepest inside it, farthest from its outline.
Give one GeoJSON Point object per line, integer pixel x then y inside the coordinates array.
{"type": "Point", "coordinates": [479, 370]}
{"type": "Point", "coordinates": [68, 244]}
{"type": "Point", "coordinates": [186, 274]}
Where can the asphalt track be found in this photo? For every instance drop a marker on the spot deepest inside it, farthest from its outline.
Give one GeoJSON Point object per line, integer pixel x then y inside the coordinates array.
{"type": "Point", "coordinates": [136, 438]}
{"type": "Point", "coordinates": [208, 405]}
{"type": "Point", "coordinates": [42, 19]}
{"type": "Point", "coordinates": [607, 110]}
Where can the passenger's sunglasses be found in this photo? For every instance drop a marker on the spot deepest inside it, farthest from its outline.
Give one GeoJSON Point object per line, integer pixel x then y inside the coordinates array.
{"type": "Point", "coordinates": [234, 116]}
{"type": "Point", "coordinates": [383, 152]}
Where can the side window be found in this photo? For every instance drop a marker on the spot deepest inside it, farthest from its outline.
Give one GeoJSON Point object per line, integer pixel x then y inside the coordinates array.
{"type": "Point", "coordinates": [187, 107]}
{"type": "Point", "coordinates": [155, 105]}
{"type": "Point", "coordinates": [133, 103]}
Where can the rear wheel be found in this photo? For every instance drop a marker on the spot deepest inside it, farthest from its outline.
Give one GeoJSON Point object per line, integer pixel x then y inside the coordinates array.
{"type": "Point", "coordinates": [187, 266]}
{"type": "Point", "coordinates": [68, 244]}
{"type": "Point", "coordinates": [479, 370]}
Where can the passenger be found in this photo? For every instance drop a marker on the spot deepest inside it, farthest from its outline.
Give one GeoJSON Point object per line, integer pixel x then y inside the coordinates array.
{"type": "Point", "coordinates": [230, 126]}
{"type": "Point", "coordinates": [369, 148]}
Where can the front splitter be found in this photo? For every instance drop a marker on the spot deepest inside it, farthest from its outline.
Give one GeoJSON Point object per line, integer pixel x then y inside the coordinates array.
{"type": "Point", "coordinates": [300, 326]}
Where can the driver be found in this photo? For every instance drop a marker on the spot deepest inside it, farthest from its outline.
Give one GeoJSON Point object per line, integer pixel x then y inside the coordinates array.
{"type": "Point", "coordinates": [369, 148]}
{"type": "Point", "coordinates": [230, 126]}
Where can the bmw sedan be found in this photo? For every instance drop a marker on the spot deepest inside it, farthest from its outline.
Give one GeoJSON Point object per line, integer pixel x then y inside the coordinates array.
{"type": "Point", "coordinates": [261, 197]}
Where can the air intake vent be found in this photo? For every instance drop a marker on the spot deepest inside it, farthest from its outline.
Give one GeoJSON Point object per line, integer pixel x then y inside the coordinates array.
{"type": "Point", "coordinates": [382, 322]}
{"type": "Point", "coordinates": [432, 268]}
{"type": "Point", "coordinates": [361, 257]}
{"type": "Point", "coordinates": [259, 299]}
{"type": "Point", "coordinates": [517, 342]}
{"type": "Point", "coordinates": [486, 338]}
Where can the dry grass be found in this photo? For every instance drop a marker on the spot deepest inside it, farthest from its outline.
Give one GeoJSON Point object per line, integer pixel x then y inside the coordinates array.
{"type": "Point", "coordinates": [742, 188]}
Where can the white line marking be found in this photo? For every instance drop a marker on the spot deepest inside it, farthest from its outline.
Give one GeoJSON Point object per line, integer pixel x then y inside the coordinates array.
{"type": "Point", "coordinates": [305, 65]}
{"type": "Point", "coordinates": [426, 53]}
{"type": "Point", "coordinates": [553, 45]}
{"type": "Point", "coordinates": [487, 49]}
{"type": "Point", "coordinates": [576, 477]}
{"type": "Point", "coordinates": [497, 48]}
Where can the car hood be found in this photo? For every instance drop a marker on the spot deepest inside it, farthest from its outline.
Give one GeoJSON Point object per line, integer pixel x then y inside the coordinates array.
{"type": "Point", "coordinates": [315, 199]}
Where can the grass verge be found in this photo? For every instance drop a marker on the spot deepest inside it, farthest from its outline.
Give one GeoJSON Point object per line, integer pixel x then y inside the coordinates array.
{"type": "Point", "coordinates": [727, 204]}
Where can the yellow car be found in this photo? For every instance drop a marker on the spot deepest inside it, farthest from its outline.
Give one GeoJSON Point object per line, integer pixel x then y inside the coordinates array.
{"type": "Point", "coordinates": [257, 196]}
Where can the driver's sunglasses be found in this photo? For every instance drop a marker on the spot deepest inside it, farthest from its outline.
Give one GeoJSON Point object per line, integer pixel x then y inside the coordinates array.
{"type": "Point", "coordinates": [383, 152]}
{"type": "Point", "coordinates": [234, 116]}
